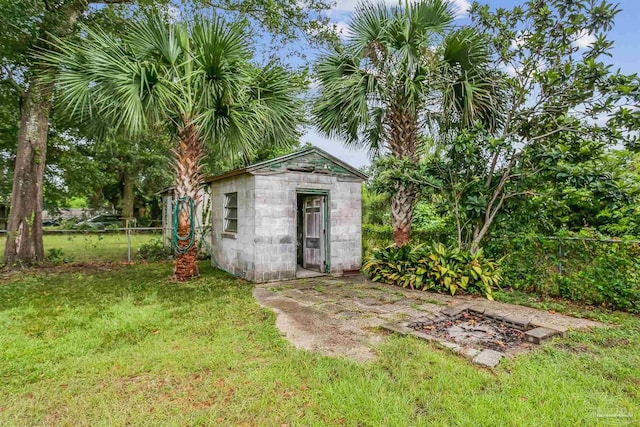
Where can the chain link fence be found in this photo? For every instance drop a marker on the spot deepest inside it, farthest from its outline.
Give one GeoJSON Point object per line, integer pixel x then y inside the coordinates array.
{"type": "Point", "coordinates": [109, 245]}
{"type": "Point", "coordinates": [127, 244]}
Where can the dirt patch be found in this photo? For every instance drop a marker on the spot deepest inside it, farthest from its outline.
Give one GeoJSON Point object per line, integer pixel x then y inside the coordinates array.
{"type": "Point", "coordinates": [616, 342]}
{"type": "Point", "coordinates": [573, 348]}
{"type": "Point", "coordinates": [7, 274]}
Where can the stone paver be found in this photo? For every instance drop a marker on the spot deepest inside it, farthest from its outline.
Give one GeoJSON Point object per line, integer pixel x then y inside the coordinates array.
{"type": "Point", "coordinates": [343, 316]}
{"type": "Point", "coordinates": [488, 358]}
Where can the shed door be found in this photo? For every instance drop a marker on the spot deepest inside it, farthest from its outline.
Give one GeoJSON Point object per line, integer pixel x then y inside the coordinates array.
{"type": "Point", "coordinates": [314, 232]}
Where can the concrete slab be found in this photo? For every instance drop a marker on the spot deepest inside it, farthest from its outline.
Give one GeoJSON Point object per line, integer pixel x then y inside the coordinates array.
{"type": "Point", "coordinates": [341, 320]}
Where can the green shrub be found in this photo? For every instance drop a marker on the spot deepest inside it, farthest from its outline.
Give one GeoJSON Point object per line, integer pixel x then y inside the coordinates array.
{"type": "Point", "coordinates": [434, 268]}
{"type": "Point", "coordinates": [56, 256]}
{"type": "Point", "coordinates": [143, 221]}
{"type": "Point", "coordinates": [595, 272]}
{"type": "Point", "coordinates": [380, 236]}
{"type": "Point", "coordinates": [154, 250]}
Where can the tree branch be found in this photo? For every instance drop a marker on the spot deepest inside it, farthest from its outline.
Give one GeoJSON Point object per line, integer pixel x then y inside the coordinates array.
{"type": "Point", "coordinates": [109, 1]}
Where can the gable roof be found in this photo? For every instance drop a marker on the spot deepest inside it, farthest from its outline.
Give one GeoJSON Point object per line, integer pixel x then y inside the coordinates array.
{"type": "Point", "coordinates": [296, 154]}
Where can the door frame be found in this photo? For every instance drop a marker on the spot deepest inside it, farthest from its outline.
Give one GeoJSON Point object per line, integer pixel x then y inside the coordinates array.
{"type": "Point", "coordinates": [327, 222]}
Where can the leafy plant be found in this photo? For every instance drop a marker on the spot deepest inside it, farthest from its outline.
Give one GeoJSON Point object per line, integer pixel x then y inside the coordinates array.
{"type": "Point", "coordinates": [56, 255]}
{"type": "Point", "coordinates": [154, 250]}
{"type": "Point", "coordinates": [438, 268]}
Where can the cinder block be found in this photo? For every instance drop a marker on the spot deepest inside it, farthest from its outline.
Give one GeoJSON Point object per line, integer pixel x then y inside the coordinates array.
{"type": "Point", "coordinates": [521, 324]}
{"type": "Point", "coordinates": [455, 310]}
{"type": "Point", "coordinates": [394, 327]}
{"type": "Point", "coordinates": [537, 335]}
{"type": "Point", "coordinates": [493, 315]}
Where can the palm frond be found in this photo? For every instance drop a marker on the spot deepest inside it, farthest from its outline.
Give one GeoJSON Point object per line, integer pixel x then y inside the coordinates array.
{"type": "Point", "coordinates": [342, 109]}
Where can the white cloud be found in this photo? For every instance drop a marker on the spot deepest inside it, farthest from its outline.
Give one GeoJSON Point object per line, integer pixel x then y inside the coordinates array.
{"type": "Point", "coordinates": [173, 14]}
{"type": "Point", "coordinates": [584, 39]}
{"type": "Point", "coordinates": [520, 40]}
{"type": "Point", "coordinates": [345, 5]}
{"type": "Point", "coordinates": [510, 70]}
{"type": "Point", "coordinates": [342, 28]}
{"type": "Point", "coordinates": [460, 7]}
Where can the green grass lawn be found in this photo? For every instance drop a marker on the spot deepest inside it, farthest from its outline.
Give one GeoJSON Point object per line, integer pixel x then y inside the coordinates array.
{"type": "Point", "coordinates": [84, 247]}
{"type": "Point", "coordinates": [126, 346]}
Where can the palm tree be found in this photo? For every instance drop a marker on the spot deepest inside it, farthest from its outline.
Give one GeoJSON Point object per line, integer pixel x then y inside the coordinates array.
{"type": "Point", "coordinates": [402, 73]}
{"type": "Point", "coordinates": [197, 79]}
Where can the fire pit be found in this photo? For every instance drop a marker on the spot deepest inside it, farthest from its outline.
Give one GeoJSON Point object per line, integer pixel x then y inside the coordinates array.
{"type": "Point", "coordinates": [480, 335]}
{"type": "Point", "coordinates": [473, 329]}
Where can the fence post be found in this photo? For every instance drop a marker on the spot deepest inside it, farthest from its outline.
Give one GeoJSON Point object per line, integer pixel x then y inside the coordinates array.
{"type": "Point", "coordinates": [560, 254]}
{"type": "Point", "coordinates": [128, 230]}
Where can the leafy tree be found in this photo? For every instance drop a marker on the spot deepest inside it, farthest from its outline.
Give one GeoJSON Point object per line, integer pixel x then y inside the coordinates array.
{"type": "Point", "coordinates": [402, 74]}
{"type": "Point", "coordinates": [30, 25]}
{"type": "Point", "coordinates": [9, 115]}
{"type": "Point", "coordinates": [553, 90]}
{"type": "Point", "coordinates": [200, 79]}
{"type": "Point", "coordinates": [563, 108]}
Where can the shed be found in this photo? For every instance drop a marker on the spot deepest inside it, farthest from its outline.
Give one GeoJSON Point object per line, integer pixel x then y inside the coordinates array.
{"type": "Point", "coordinates": [293, 216]}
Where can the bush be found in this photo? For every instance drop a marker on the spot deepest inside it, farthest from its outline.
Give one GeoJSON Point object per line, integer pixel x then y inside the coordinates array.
{"type": "Point", "coordinates": [380, 236]}
{"type": "Point", "coordinates": [143, 221]}
{"type": "Point", "coordinates": [154, 250]}
{"type": "Point", "coordinates": [435, 268]}
{"type": "Point", "coordinates": [56, 256]}
{"type": "Point", "coordinates": [593, 272]}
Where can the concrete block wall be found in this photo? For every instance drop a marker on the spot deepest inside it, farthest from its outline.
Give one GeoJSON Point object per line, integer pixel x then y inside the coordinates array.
{"type": "Point", "coordinates": [235, 252]}
{"type": "Point", "coordinates": [275, 242]}
{"type": "Point", "coordinates": [264, 248]}
{"type": "Point", "coordinates": [275, 233]}
{"type": "Point", "coordinates": [346, 226]}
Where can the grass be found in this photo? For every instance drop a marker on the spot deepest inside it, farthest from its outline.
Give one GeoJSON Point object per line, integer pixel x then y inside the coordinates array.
{"type": "Point", "coordinates": [85, 247]}
{"type": "Point", "coordinates": [126, 346]}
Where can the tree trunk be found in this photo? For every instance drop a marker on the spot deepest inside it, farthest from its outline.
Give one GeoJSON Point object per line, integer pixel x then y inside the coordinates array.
{"type": "Point", "coordinates": [188, 157]}
{"type": "Point", "coordinates": [403, 142]}
{"type": "Point", "coordinates": [24, 243]}
{"type": "Point", "coordinates": [127, 194]}
{"type": "Point", "coordinates": [402, 207]}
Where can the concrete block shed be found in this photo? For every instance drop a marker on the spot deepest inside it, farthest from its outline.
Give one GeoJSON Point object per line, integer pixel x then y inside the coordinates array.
{"type": "Point", "coordinates": [288, 217]}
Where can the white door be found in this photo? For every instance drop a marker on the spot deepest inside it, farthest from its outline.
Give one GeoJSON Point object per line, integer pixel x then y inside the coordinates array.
{"type": "Point", "coordinates": [313, 233]}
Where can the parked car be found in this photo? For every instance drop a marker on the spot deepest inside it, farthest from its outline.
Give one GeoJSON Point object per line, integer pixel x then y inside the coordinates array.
{"type": "Point", "coordinates": [99, 222]}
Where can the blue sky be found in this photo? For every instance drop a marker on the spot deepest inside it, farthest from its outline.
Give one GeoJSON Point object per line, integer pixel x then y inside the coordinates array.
{"type": "Point", "coordinates": [626, 56]}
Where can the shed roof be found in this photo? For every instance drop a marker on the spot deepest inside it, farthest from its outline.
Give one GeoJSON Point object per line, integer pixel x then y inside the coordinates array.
{"type": "Point", "coordinates": [296, 154]}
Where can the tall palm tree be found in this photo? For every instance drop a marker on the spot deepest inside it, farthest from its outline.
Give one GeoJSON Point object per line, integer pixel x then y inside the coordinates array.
{"type": "Point", "coordinates": [198, 79]}
{"type": "Point", "coordinates": [401, 73]}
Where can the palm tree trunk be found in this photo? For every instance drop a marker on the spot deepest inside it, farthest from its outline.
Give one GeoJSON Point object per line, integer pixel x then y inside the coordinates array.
{"type": "Point", "coordinates": [402, 207]}
{"type": "Point", "coordinates": [188, 157]}
{"type": "Point", "coordinates": [24, 243]}
{"type": "Point", "coordinates": [403, 143]}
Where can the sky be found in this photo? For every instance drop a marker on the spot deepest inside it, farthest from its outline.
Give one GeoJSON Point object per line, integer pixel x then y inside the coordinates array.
{"type": "Point", "coordinates": [626, 56]}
